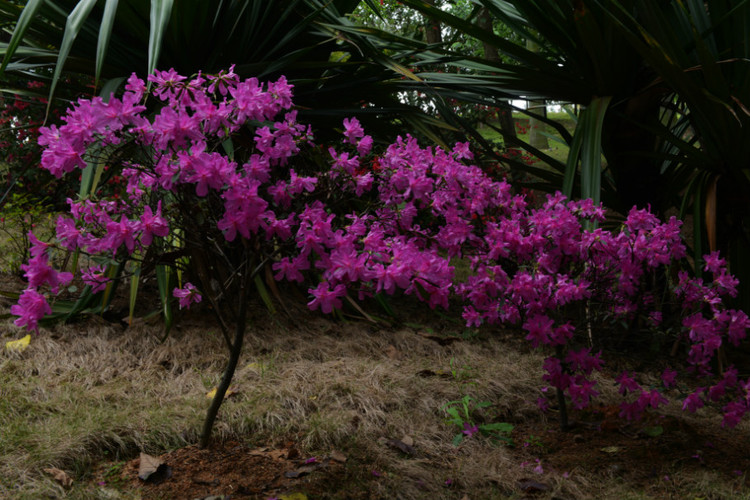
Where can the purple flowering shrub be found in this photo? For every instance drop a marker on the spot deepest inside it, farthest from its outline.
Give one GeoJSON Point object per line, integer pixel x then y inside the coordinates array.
{"type": "Point", "coordinates": [219, 169]}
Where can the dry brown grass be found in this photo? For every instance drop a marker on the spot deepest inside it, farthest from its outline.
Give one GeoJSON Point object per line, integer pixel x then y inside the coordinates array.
{"type": "Point", "coordinates": [86, 392]}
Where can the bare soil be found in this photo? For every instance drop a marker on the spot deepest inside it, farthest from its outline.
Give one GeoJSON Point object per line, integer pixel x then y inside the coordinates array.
{"type": "Point", "coordinates": [600, 447]}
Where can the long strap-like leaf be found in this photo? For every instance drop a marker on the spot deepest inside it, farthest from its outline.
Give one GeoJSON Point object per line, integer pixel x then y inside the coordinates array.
{"type": "Point", "coordinates": [72, 27]}
{"type": "Point", "coordinates": [161, 11]}
{"type": "Point", "coordinates": [27, 15]}
{"type": "Point", "coordinates": [587, 145]}
{"type": "Point", "coordinates": [105, 32]}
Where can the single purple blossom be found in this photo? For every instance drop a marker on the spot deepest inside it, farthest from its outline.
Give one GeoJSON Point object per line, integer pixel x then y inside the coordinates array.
{"type": "Point", "coordinates": [470, 429]}
{"type": "Point", "coordinates": [187, 295]}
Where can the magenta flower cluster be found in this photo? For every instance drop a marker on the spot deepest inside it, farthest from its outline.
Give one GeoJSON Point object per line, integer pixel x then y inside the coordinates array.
{"type": "Point", "coordinates": [541, 269]}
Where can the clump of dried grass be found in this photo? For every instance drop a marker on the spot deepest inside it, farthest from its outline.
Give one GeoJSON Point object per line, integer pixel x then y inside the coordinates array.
{"type": "Point", "coordinates": [86, 388]}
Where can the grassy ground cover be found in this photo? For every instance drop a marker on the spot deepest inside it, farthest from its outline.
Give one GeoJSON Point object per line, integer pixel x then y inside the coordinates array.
{"type": "Point", "coordinates": [557, 149]}
{"type": "Point", "coordinates": [86, 398]}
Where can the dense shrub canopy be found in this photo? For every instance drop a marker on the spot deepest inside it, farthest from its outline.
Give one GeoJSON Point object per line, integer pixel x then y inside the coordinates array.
{"type": "Point", "coordinates": [221, 179]}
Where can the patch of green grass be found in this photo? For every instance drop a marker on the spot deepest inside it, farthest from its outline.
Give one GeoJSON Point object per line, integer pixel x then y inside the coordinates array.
{"type": "Point", "coordinates": [557, 149]}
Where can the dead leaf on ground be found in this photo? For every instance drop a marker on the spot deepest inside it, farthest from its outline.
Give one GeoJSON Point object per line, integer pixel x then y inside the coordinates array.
{"type": "Point", "coordinates": [270, 453]}
{"type": "Point", "coordinates": [400, 445]}
{"type": "Point", "coordinates": [530, 486]}
{"type": "Point", "coordinates": [18, 345]}
{"type": "Point", "coordinates": [60, 476]}
{"type": "Point", "coordinates": [392, 353]}
{"type": "Point", "coordinates": [148, 465]}
{"type": "Point", "coordinates": [438, 338]}
{"type": "Point", "coordinates": [212, 393]}
{"type": "Point", "coordinates": [337, 456]}
{"type": "Point", "coordinates": [306, 469]}
{"type": "Point", "coordinates": [153, 469]}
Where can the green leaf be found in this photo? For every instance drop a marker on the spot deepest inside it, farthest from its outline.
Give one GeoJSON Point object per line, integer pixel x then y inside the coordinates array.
{"type": "Point", "coordinates": [587, 146]}
{"type": "Point", "coordinates": [497, 427]}
{"type": "Point", "coordinates": [453, 412]}
{"type": "Point", "coordinates": [9, 295]}
{"type": "Point", "coordinates": [164, 281]}
{"type": "Point", "coordinates": [457, 439]}
{"type": "Point", "coordinates": [109, 87]}
{"type": "Point", "coordinates": [68, 309]}
{"type": "Point", "coordinates": [228, 147]}
{"type": "Point", "coordinates": [263, 292]}
{"type": "Point", "coordinates": [161, 10]}
{"type": "Point", "coordinates": [653, 431]}
{"type": "Point", "coordinates": [112, 272]}
{"type": "Point", "coordinates": [92, 172]}
{"type": "Point", "coordinates": [105, 32]}
{"type": "Point", "coordinates": [135, 280]}
{"type": "Point", "coordinates": [591, 154]}
{"type": "Point", "coordinates": [508, 47]}
{"type": "Point", "coordinates": [72, 27]}
{"type": "Point", "coordinates": [27, 15]}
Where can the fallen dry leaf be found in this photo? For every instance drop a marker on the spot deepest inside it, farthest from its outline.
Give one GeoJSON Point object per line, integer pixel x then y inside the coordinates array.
{"type": "Point", "coordinates": [530, 486]}
{"type": "Point", "coordinates": [259, 452]}
{"type": "Point", "coordinates": [212, 393]}
{"type": "Point", "coordinates": [153, 469]}
{"type": "Point", "coordinates": [148, 466]}
{"type": "Point", "coordinates": [337, 456]}
{"type": "Point", "coordinates": [392, 353]}
{"type": "Point", "coordinates": [306, 469]}
{"type": "Point", "coordinates": [400, 445]}
{"type": "Point", "coordinates": [60, 476]}
{"type": "Point", "coordinates": [18, 345]}
{"type": "Point", "coordinates": [437, 338]}
{"type": "Point", "coordinates": [269, 453]}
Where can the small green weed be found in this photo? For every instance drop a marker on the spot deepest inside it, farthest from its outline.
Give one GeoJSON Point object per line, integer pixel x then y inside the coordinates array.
{"type": "Point", "coordinates": [461, 373]}
{"type": "Point", "coordinates": [113, 475]}
{"type": "Point", "coordinates": [461, 414]}
{"type": "Point", "coordinates": [535, 443]}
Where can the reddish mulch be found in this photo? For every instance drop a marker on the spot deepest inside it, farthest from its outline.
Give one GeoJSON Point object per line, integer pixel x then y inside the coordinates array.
{"type": "Point", "coordinates": [644, 455]}
{"type": "Point", "coordinates": [233, 470]}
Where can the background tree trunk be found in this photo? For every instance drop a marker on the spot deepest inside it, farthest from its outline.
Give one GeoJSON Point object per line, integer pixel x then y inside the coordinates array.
{"type": "Point", "coordinates": [537, 127]}
{"type": "Point", "coordinates": [432, 29]}
{"type": "Point", "coordinates": [505, 114]}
